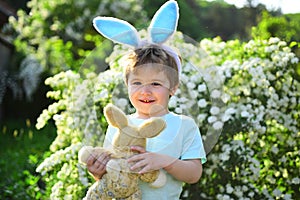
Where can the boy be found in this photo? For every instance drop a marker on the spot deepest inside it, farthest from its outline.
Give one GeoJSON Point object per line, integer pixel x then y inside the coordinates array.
{"type": "Point", "coordinates": [152, 77]}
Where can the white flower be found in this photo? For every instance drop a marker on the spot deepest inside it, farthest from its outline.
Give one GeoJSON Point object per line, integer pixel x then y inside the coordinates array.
{"type": "Point", "coordinates": [226, 117]}
{"type": "Point", "coordinates": [225, 98]}
{"type": "Point", "coordinates": [287, 197]}
{"type": "Point", "coordinates": [122, 103]}
{"type": "Point", "coordinates": [212, 119]}
{"type": "Point", "coordinates": [218, 125]}
{"type": "Point", "coordinates": [202, 103]}
{"type": "Point", "coordinates": [214, 110]}
{"type": "Point", "coordinates": [215, 94]}
{"type": "Point", "coordinates": [173, 102]}
{"type": "Point", "coordinates": [296, 181]}
{"type": "Point", "coordinates": [201, 117]}
{"type": "Point", "coordinates": [251, 194]}
{"type": "Point", "coordinates": [294, 60]}
{"type": "Point", "coordinates": [229, 189]}
{"type": "Point", "coordinates": [195, 78]}
{"type": "Point", "coordinates": [274, 40]}
{"type": "Point", "coordinates": [224, 156]}
{"type": "Point", "coordinates": [245, 188]}
{"type": "Point", "coordinates": [202, 88]}
{"type": "Point", "coordinates": [245, 114]}
{"type": "Point", "coordinates": [193, 94]}
{"type": "Point", "coordinates": [274, 149]}
{"type": "Point", "coordinates": [190, 85]}
{"type": "Point", "coordinates": [103, 93]}
{"type": "Point", "coordinates": [178, 110]}
{"type": "Point", "coordinates": [68, 197]}
{"type": "Point", "coordinates": [230, 111]}
{"type": "Point", "coordinates": [277, 192]}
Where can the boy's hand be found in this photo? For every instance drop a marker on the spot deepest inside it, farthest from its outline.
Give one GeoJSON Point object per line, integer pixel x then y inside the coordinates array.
{"type": "Point", "coordinates": [148, 161]}
{"type": "Point", "coordinates": [96, 165]}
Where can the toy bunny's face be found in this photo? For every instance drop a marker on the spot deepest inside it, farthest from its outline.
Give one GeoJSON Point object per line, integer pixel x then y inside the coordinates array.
{"type": "Point", "coordinates": [127, 134]}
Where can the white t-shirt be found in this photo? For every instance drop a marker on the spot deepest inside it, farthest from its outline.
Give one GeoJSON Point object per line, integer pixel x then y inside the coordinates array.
{"type": "Point", "coordinates": [181, 139]}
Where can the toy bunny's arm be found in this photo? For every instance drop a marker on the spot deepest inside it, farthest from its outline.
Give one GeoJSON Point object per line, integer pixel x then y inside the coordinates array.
{"type": "Point", "coordinates": [84, 154]}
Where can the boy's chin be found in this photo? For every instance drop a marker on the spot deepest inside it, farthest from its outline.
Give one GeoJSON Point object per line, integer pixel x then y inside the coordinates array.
{"type": "Point", "coordinates": [157, 110]}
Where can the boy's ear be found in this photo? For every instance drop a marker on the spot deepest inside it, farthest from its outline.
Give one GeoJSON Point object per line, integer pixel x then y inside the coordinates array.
{"type": "Point", "coordinates": [173, 90]}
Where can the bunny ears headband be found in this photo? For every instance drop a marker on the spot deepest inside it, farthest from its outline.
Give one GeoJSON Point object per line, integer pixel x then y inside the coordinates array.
{"type": "Point", "coordinates": [162, 27]}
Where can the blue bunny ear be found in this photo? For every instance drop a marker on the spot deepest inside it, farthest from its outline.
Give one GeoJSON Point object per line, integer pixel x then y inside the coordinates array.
{"type": "Point", "coordinates": [164, 22]}
{"type": "Point", "coordinates": [117, 30]}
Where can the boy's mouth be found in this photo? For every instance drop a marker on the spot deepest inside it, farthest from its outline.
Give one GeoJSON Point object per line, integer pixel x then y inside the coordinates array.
{"type": "Point", "coordinates": [146, 101]}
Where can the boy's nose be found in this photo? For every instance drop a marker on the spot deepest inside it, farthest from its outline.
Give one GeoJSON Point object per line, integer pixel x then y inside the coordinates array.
{"type": "Point", "coordinates": [145, 89]}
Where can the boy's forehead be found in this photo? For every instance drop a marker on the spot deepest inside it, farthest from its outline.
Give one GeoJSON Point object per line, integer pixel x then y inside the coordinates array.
{"type": "Point", "coordinates": [151, 68]}
{"type": "Point", "coordinates": [148, 74]}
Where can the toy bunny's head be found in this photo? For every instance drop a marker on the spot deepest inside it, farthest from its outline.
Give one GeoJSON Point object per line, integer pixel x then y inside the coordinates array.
{"type": "Point", "coordinates": [127, 134]}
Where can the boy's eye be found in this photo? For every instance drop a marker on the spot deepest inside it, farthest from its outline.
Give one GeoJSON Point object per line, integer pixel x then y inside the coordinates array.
{"type": "Point", "coordinates": [136, 83]}
{"type": "Point", "coordinates": [155, 84]}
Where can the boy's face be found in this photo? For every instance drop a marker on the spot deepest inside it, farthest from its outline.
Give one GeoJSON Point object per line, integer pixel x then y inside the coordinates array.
{"type": "Point", "coordinates": [149, 90]}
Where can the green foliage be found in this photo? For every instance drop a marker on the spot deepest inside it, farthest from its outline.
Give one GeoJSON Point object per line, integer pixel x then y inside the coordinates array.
{"type": "Point", "coordinates": [22, 147]}
{"type": "Point", "coordinates": [285, 27]}
{"type": "Point", "coordinates": [55, 33]}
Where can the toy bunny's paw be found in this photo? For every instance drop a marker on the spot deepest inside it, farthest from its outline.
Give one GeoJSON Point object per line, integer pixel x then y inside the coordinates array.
{"type": "Point", "coordinates": [84, 154]}
{"type": "Point", "coordinates": [160, 181]}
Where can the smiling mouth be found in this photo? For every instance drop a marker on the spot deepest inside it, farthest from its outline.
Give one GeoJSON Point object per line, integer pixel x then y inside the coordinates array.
{"type": "Point", "coordinates": [147, 101]}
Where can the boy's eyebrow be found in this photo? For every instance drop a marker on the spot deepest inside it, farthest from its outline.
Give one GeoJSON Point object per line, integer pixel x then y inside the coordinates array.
{"type": "Point", "coordinates": [135, 79]}
{"type": "Point", "coordinates": [158, 80]}
{"type": "Point", "coordinates": [151, 80]}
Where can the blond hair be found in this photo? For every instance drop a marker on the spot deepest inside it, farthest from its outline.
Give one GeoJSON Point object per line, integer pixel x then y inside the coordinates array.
{"type": "Point", "coordinates": [152, 54]}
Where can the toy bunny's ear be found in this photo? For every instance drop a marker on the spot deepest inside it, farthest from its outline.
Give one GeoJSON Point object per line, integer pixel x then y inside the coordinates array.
{"type": "Point", "coordinates": [152, 127]}
{"type": "Point", "coordinates": [115, 116]}
{"type": "Point", "coordinates": [117, 30]}
{"type": "Point", "coordinates": [164, 22]}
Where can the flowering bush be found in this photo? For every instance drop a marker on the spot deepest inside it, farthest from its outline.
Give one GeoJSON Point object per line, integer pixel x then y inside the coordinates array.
{"type": "Point", "coordinates": [246, 91]}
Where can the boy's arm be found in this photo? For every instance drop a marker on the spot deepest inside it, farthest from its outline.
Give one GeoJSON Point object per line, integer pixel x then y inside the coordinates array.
{"type": "Point", "coordinates": [188, 171]}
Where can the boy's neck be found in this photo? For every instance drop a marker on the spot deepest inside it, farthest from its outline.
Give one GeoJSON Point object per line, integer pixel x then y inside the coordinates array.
{"type": "Point", "coordinates": [144, 116]}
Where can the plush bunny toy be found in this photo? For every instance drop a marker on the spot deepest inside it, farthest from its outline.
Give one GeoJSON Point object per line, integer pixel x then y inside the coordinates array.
{"type": "Point", "coordinates": [120, 182]}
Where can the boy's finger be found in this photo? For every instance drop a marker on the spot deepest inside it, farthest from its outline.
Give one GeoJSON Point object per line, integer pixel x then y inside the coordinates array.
{"type": "Point", "coordinates": [91, 160]}
{"type": "Point", "coordinates": [139, 149]}
{"type": "Point", "coordinates": [135, 158]}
